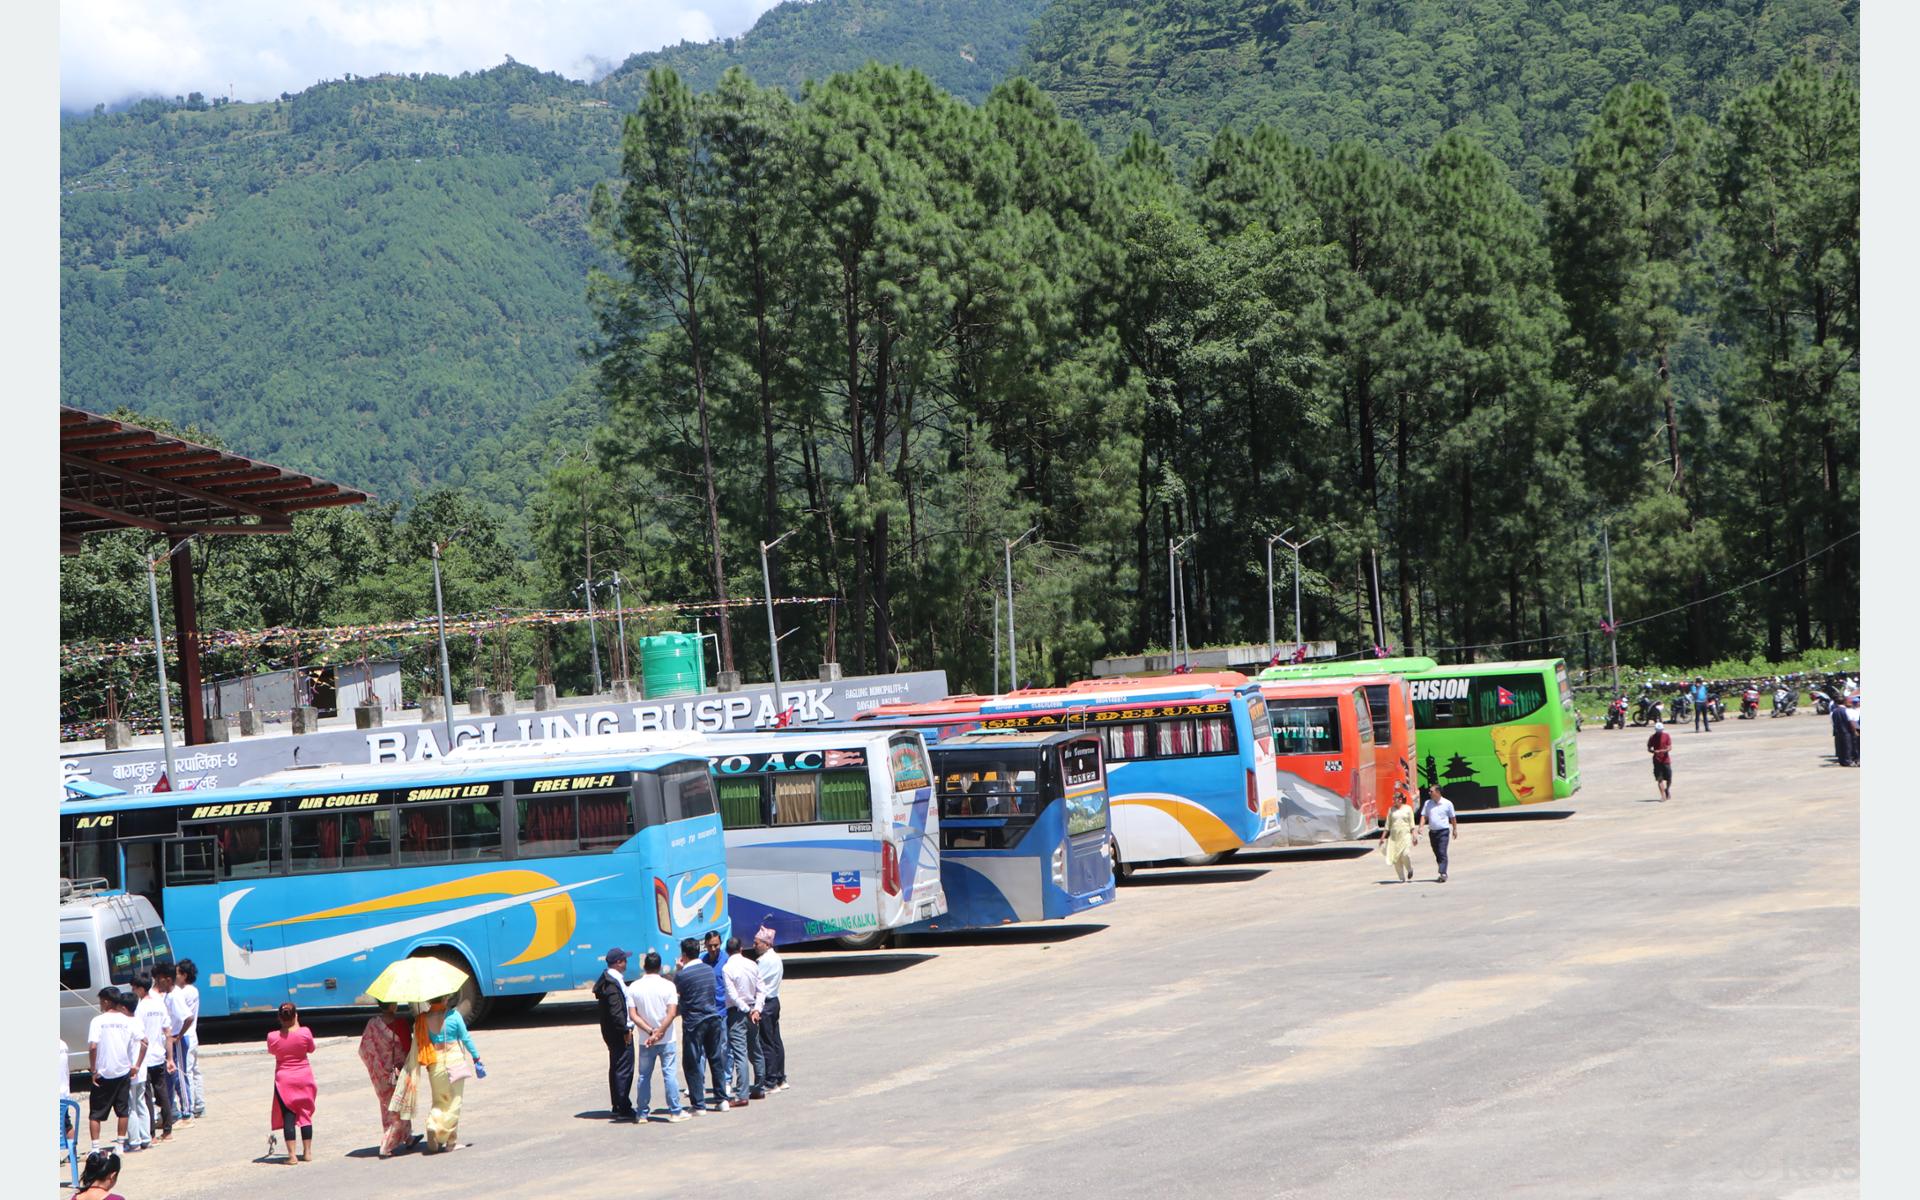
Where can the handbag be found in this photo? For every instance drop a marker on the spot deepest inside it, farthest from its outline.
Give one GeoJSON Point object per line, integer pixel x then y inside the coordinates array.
{"type": "Point", "coordinates": [459, 1067]}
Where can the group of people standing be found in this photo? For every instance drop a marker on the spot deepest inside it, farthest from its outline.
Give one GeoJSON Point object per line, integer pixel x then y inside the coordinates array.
{"type": "Point", "coordinates": [1404, 823]}
{"type": "Point", "coordinates": [1846, 730]}
{"type": "Point", "coordinates": [726, 999]}
{"type": "Point", "coordinates": [143, 1053]}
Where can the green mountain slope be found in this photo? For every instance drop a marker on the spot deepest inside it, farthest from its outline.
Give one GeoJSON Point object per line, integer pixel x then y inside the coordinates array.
{"type": "Point", "coordinates": [964, 46]}
{"type": "Point", "coordinates": [1524, 75]}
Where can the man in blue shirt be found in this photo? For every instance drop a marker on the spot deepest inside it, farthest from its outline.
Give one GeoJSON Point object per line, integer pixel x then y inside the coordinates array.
{"type": "Point", "coordinates": [700, 1028]}
{"type": "Point", "coordinates": [1701, 718]}
{"type": "Point", "coordinates": [716, 957]}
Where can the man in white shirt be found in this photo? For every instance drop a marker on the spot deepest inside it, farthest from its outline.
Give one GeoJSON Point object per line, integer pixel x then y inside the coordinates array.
{"type": "Point", "coordinates": [741, 977]}
{"type": "Point", "coordinates": [1437, 815]}
{"type": "Point", "coordinates": [164, 977]}
{"type": "Point", "coordinates": [152, 1105]}
{"type": "Point", "coordinates": [652, 1005]}
{"type": "Point", "coordinates": [190, 1035]}
{"type": "Point", "coordinates": [772, 972]}
{"type": "Point", "coordinates": [114, 1048]}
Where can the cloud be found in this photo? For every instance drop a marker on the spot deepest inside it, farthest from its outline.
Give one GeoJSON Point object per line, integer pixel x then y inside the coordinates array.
{"type": "Point", "coordinates": [114, 49]}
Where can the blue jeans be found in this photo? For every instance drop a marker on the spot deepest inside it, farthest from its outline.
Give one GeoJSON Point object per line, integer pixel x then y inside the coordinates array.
{"type": "Point", "coordinates": [1440, 838]}
{"type": "Point", "coordinates": [666, 1055]}
{"type": "Point", "coordinates": [701, 1044]}
{"type": "Point", "coordinates": [737, 1057]}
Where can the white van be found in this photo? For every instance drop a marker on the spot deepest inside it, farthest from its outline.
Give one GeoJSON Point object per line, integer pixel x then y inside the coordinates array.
{"type": "Point", "coordinates": [106, 936]}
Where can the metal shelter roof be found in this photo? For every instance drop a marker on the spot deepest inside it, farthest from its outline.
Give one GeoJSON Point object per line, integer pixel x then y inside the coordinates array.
{"type": "Point", "coordinates": [116, 475]}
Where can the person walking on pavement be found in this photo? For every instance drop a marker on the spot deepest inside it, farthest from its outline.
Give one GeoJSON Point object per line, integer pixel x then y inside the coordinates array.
{"type": "Point", "coordinates": [742, 981]}
{"type": "Point", "coordinates": [1702, 717]}
{"type": "Point", "coordinates": [294, 1088]}
{"type": "Point", "coordinates": [772, 972]}
{"type": "Point", "coordinates": [616, 1030]}
{"type": "Point", "coordinates": [1843, 747]}
{"type": "Point", "coordinates": [701, 1027]}
{"type": "Point", "coordinates": [1399, 842]}
{"type": "Point", "coordinates": [1660, 745]}
{"type": "Point", "coordinates": [384, 1045]}
{"type": "Point", "coordinates": [1438, 816]}
{"type": "Point", "coordinates": [653, 1004]}
{"type": "Point", "coordinates": [1853, 720]}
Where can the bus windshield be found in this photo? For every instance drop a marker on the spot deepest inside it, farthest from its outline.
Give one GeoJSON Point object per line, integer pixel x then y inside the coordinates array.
{"type": "Point", "coordinates": [1306, 726]}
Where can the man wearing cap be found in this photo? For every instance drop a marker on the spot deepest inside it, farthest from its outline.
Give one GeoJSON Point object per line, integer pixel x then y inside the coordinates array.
{"type": "Point", "coordinates": [616, 1030]}
{"type": "Point", "coordinates": [1660, 745]}
{"type": "Point", "coordinates": [772, 972]}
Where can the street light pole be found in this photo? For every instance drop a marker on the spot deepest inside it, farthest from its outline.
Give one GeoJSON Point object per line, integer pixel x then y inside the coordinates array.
{"type": "Point", "coordinates": [1613, 642]}
{"type": "Point", "coordinates": [773, 637]}
{"type": "Point", "coordinates": [440, 613]}
{"type": "Point", "coordinates": [160, 661]}
{"type": "Point", "coordinates": [593, 634]}
{"type": "Point", "coordinates": [1270, 541]}
{"type": "Point", "coordinates": [1177, 599]}
{"type": "Point", "coordinates": [620, 622]}
{"type": "Point", "coordinates": [1296, 547]}
{"type": "Point", "coordinates": [1013, 645]}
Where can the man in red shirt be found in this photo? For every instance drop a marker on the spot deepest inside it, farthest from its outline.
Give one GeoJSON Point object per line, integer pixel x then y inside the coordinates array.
{"type": "Point", "coordinates": [1660, 745]}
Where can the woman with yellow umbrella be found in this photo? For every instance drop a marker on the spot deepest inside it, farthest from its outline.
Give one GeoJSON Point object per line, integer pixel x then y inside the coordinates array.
{"type": "Point", "coordinates": [441, 1044]}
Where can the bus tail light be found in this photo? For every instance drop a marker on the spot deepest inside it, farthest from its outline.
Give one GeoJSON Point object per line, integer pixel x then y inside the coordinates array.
{"type": "Point", "coordinates": [1253, 793]}
{"type": "Point", "coordinates": [1060, 866]}
{"type": "Point", "coordinates": [889, 869]}
{"type": "Point", "coordinates": [662, 913]}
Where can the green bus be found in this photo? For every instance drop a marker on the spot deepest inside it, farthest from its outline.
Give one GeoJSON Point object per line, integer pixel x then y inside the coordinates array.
{"type": "Point", "coordinates": [1491, 734]}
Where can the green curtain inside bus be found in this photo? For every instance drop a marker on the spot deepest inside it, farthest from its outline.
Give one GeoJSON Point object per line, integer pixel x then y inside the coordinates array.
{"type": "Point", "coordinates": [740, 802]}
{"type": "Point", "coordinates": [844, 797]}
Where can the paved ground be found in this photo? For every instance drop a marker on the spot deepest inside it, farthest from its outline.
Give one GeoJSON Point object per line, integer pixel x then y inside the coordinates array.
{"type": "Point", "coordinates": [1636, 999]}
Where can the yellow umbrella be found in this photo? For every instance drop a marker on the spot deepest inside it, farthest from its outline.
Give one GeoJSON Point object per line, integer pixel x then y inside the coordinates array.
{"type": "Point", "coordinates": [417, 980]}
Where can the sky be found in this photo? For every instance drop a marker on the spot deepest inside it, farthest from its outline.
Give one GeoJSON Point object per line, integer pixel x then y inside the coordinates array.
{"type": "Point", "coordinates": [112, 50]}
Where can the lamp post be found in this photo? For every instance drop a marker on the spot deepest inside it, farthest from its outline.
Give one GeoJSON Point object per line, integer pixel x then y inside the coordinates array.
{"type": "Point", "coordinates": [620, 623]}
{"type": "Point", "coordinates": [160, 658]}
{"type": "Point", "coordinates": [1013, 646]}
{"type": "Point", "coordinates": [1296, 547]}
{"type": "Point", "coordinates": [440, 615]}
{"type": "Point", "coordinates": [1270, 541]}
{"type": "Point", "coordinates": [1176, 598]}
{"type": "Point", "coordinates": [1613, 642]}
{"type": "Point", "coordinates": [773, 638]}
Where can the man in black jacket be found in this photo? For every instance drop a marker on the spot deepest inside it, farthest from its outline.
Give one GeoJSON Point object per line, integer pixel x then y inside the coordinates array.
{"type": "Point", "coordinates": [616, 1030]}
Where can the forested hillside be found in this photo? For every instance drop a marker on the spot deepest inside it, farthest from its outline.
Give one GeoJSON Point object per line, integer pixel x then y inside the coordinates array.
{"type": "Point", "coordinates": [1523, 76]}
{"type": "Point", "coordinates": [964, 46]}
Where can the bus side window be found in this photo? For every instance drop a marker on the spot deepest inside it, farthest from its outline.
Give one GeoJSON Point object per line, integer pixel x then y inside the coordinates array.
{"type": "Point", "coordinates": [475, 831]}
{"type": "Point", "coordinates": [248, 849]}
{"type": "Point", "coordinates": [606, 821]}
{"type": "Point", "coordinates": [844, 796]}
{"type": "Point", "coordinates": [796, 800]}
{"type": "Point", "coordinates": [742, 801]}
{"type": "Point", "coordinates": [649, 804]}
{"type": "Point", "coordinates": [1215, 735]}
{"type": "Point", "coordinates": [548, 826]}
{"type": "Point", "coordinates": [686, 792]}
{"type": "Point", "coordinates": [1126, 742]}
{"type": "Point", "coordinates": [423, 835]}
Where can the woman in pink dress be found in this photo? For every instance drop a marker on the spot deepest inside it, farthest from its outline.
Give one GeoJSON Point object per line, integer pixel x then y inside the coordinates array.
{"type": "Point", "coordinates": [293, 1085]}
{"type": "Point", "coordinates": [383, 1049]}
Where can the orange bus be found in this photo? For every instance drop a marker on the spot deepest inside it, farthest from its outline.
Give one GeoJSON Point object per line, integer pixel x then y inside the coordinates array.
{"type": "Point", "coordinates": [1390, 699]}
{"type": "Point", "coordinates": [1323, 753]}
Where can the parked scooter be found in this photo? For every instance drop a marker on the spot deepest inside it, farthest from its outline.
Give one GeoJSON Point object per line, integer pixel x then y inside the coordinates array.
{"type": "Point", "coordinates": [1716, 708]}
{"type": "Point", "coordinates": [1750, 703]}
{"type": "Point", "coordinates": [1649, 710]}
{"type": "Point", "coordinates": [1682, 707]}
{"type": "Point", "coordinates": [1784, 703]}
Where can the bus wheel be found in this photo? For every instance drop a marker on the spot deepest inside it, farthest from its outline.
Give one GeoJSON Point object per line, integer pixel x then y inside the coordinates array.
{"type": "Point", "coordinates": [862, 941]}
{"type": "Point", "coordinates": [1122, 871]}
{"type": "Point", "coordinates": [472, 1005]}
{"type": "Point", "coordinates": [1203, 860]}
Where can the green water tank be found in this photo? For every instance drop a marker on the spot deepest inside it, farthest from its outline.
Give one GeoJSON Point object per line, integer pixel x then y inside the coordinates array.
{"type": "Point", "coordinates": [672, 664]}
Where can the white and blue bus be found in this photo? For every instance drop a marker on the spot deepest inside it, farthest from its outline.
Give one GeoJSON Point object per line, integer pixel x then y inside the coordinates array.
{"type": "Point", "coordinates": [829, 835]}
{"type": "Point", "coordinates": [304, 885]}
{"type": "Point", "coordinates": [1023, 827]}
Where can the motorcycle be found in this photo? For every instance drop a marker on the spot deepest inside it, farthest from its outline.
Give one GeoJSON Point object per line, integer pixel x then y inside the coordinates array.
{"type": "Point", "coordinates": [1784, 704]}
{"type": "Point", "coordinates": [1682, 707]}
{"type": "Point", "coordinates": [1648, 712]}
{"type": "Point", "coordinates": [1822, 700]}
{"type": "Point", "coordinates": [1750, 704]}
{"type": "Point", "coordinates": [1716, 708]}
{"type": "Point", "coordinates": [1617, 714]}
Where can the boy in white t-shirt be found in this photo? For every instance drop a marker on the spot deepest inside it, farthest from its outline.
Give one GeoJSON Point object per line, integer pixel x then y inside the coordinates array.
{"type": "Point", "coordinates": [189, 990]}
{"type": "Point", "coordinates": [114, 1047]}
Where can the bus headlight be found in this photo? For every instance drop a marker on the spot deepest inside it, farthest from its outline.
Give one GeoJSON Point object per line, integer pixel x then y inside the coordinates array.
{"type": "Point", "coordinates": [1060, 866]}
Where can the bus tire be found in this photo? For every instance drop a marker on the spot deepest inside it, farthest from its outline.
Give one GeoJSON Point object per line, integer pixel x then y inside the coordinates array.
{"type": "Point", "coordinates": [472, 1005]}
{"type": "Point", "coordinates": [1122, 871]}
{"type": "Point", "coordinates": [1203, 860]}
{"type": "Point", "coordinates": [862, 941]}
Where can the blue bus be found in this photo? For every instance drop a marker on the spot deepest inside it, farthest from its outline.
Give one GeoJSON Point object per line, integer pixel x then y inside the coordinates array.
{"type": "Point", "coordinates": [304, 885]}
{"type": "Point", "coordinates": [1023, 827]}
{"type": "Point", "coordinates": [1190, 767]}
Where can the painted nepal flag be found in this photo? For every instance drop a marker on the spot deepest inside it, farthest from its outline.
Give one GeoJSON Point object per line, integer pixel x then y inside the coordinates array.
{"type": "Point", "coordinates": [846, 758]}
{"type": "Point", "coordinates": [1506, 697]}
{"type": "Point", "coordinates": [846, 886]}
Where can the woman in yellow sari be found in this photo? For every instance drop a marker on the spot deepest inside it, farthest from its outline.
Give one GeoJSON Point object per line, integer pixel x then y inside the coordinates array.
{"type": "Point", "coordinates": [444, 1049]}
{"type": "Point", "coordinates": [1398, 844]}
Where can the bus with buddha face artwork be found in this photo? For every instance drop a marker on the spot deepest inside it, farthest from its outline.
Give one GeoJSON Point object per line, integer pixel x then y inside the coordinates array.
{"type": "Point", "coordinates": [1491, 735]}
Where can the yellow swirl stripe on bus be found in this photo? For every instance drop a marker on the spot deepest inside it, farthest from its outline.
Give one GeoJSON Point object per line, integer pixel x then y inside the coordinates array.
{"type": "Point", "coordinates": [553, 916]}
{"type": "Point", "coordinates": [1208, 831]}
